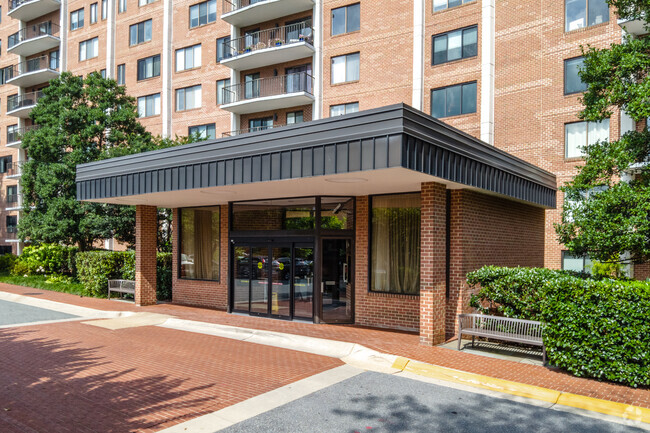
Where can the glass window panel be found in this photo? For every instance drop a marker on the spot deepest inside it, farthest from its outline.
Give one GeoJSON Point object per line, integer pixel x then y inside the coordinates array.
{"type": "Point", "coordinates": [338, 21]}
{"type": "Point", "coordinates": [104, 9]}
{"type": "Point", "coordinates": [147, 30]}
{"type": "Point", "coordinates": [351, 108]}
{"type": "Point", "coordinates": [134, 34]}
{"type": "Point", "coordinates": [212, 11]}
{"type": "Point", "coordinates": [598, 131]}
{"type": "Point", "coordinates": [469, 98]}
{"type": "Point", "coordinates": [200, 244]}
{"type": "Point", "coordinates": [142, 107]}
{"type": "Point", "coordinates": [439, 5]}
{"type": "Point", "coordinates": [337, 213]}
{"type": "Point", "coordinates": [439, 49]}
{"type": "Point", "coordinates": [353, 17]}
{"type": "Point", "coordinates": [121, 74]}
{"type": "Point", "coordinates": [203, 13]}
{"type": "Point", "coordinates": [395, 244]}
{"type": "Point", "coordinates": [572, 81]}
{"type": "Point", "coordinates": [337, 110]}
{"type": "Point", "coordinates": [338, 69]}
{"type": "Point", "coordinates": [575, 14]}
{"type": "Point", "coordinates": [455, 45]}
{"type": "Point", "coordinates": [194, 16]}
{"type": "Point", "coordinates": [352, 67]}
{"type": "Point", "coordinates": [598, 12]}
{"type": "Point", "coordinates": [189, 58]}
{"type": "Point", "coordinates": [572, 263]}
{"type": "Point", "coordinates": [93, 13]}
{"type": "Point", "coordinates": [438, 103]}
{"type": "Point", "coordinates": [285, 214]}
{"type": "Point", "coordinates": [470, 42]}
{"type": "Point", "coordinates": [453, 101]}
{"type": "Point", "coordinates": [180, 60]}
{"type": "Point", "coordinates": [575, 138]}
{"type": "Point", "coordinates": [454, 3]}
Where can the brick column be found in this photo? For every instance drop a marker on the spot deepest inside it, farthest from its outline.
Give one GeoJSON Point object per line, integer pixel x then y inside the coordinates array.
{"type": "Point", "coordinates": [146, 239]}
{"type": "Point", "coordinates": [432, 264]}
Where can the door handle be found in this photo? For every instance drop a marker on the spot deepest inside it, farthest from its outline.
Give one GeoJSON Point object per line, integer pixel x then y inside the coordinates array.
{"type": "Point", "coordinates": [322, 287]}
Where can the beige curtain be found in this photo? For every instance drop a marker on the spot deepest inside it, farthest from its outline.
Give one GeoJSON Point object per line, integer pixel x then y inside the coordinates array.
{"type": "Point", "coordinates": [203, 244]}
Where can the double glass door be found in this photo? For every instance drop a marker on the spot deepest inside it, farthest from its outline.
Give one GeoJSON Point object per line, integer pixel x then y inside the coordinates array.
{"type": "Point", "coordinates": [274, 280]}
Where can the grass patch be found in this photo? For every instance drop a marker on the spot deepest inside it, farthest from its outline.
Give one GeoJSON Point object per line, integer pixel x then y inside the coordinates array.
{"type": "Point", "coordinates": [41, 282]}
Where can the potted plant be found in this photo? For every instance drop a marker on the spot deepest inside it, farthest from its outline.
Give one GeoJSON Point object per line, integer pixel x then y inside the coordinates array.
{"type": "Point", "coordinates": [278, 42]}
{"type": "Point", "coordinates": [301, 38]}
{"type": "Point", "coordinates": [248, 49]}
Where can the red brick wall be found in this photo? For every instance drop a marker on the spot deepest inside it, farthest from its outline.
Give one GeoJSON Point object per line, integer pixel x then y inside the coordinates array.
{"type": "Point", "coordinates": [207, 294]}
{"type": "Point", "coordinates": [381, 310]}
{"type": "Point", "coordinates": [146, 233]}
{"type": "Point", "coordinates": [642, 271]}
{"type": "Point", "coordinates": [488, 230]}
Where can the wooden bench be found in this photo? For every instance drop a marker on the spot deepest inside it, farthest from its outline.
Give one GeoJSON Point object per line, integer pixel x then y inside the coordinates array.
{"type": "Point", "coordinates": [121, 286]}
{"type": "Point", "coordinates": [501, 328]}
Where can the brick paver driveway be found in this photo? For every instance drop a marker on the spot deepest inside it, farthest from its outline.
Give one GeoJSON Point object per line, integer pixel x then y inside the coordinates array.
{"type": "Point", "coordinates": [73, 377]}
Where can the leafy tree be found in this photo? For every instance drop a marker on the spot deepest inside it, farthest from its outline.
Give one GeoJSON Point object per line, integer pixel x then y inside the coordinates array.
{"type": "Point", "coordinates": [81, 120]}
{"type": "Point", "coordinates": [606, 212]}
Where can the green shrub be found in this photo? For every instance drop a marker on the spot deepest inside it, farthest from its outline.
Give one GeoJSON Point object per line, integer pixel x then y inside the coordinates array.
{"type": "Point", "coordinates": [7, 262]}
{"type": "Point", "coordinates": [95, 268]}
{"type": "Point", "coordinates": [593, 328]}
{"type": "Point", "coordinates": [48, 259]}
{"type": "Point", "coordinates": [19, 269]}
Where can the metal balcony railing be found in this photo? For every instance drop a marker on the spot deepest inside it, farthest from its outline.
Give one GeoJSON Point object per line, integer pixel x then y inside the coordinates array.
{"type": "Point", "coordinates": [268, 38]}
{"type": "Point", "coordinates": [33, 65]}
{"type": "Point", "coordinates": [13, 4]}
{"type": "Point", "coordinates": [14, 168]}
{"type": "Point", "coordinates": [31, 32]}
{"type": "Point", "coordinates": [15, 102]}
{"type": "Point", "coordinates": [233, 5]}
{"type": "Point", "coordinates": [13, 198]}
{"type": "Point", "coordinates": [246, 130]}
{"type": "Point", "coordinates": [265, 87]}
{"type": "Point", "coordinates": [12, 232]}
{"type": "Point", "coordinates": [15, 135]}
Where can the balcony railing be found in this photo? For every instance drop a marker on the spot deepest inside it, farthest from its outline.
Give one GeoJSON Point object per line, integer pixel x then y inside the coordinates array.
{"type": "Point", "coordinates": [16, 135]}
{"type": "Point", "coordinates": [11, 169]}
{"type": "Point", "coordinates": [13, 198]}
{"type": "Point", "coordinates": [12, 232]}
{"type": "Point", "coordinates": [266, 87]}
{"type": "Point", "coordinates": [31, 32]}
{"type": "Point", "coordinates": [15, 102]}
{"type": "Point", "coordinates": [275, 37]}
{"type": "Point", "coordinates": [33, 65]}
{"type": "Point", "coordinates": [233, 5]}
{"type": "Point", "coordinates": [254, 129]}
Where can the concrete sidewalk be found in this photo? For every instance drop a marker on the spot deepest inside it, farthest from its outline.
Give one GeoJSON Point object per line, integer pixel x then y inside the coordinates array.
{"type": "Point", "coordinates": [376, 350]}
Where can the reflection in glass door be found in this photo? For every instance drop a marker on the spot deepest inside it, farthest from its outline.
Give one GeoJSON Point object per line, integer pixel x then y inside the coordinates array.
{"type": "Point", "coordinates": [281, 282]}
{"type": "Point", "coordinates": [242, 276]}
{"type": "Point", "coordinates": [303, 282]}
{"type": "Point", "coordinates": [336, 281]}
{"type": "Point", "coordinates": [260, 280]}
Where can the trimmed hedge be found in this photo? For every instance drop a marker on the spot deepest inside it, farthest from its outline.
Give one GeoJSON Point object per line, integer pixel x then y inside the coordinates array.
{"type": "Point", "coordinates": [597, 329]}
{"type": "Point", "coordinates": [95, 268]}
{"type": "Point", "coordinates": [46, 259]}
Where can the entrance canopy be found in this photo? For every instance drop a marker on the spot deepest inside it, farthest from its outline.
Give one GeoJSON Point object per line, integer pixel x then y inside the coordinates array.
{"type": "Point", "coordinates": [384, 150]}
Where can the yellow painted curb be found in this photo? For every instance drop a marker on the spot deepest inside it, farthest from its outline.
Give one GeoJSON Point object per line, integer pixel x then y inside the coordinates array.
{"type": "Point", "coordinates": [620, 410]}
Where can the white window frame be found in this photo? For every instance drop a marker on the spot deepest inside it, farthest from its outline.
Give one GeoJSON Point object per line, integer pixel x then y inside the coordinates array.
{"type": "Point", "coordinates": [575, 151]}
{"type": "Point", "coordinates": [344, 60]}
{"type": "Point", "coordinates": [89, 48]}
{"type": "Point", "coordinates": [184, 54]}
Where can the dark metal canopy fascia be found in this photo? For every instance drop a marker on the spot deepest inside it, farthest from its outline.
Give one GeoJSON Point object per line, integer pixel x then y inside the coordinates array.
{"type": "Point", "coordinates": [393, 136]}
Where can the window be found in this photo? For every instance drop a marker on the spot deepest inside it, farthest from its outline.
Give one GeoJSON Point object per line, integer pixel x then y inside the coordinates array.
{"type": "Point", "coordinates": [203, 13]}
{"type": "Point", "coordinates": [453, 100]}
{"type": "Point", "coordinates": [103, 73]}
{"type": "Point", "coordinates": [345, 68]}
{"type": "Point", "coordinates": [188, 98]}
{"type": "Point", "coordinates": [149, 67]}
{"type": "Point", "coordinates": [260, 124]}
{"type": "Point", "coordinates": [12, 223]}
{"type": "Point", "coordinates": [188, 58]}
{"type": "Point", "coordinates": [149, 105]}
{"type": "Point", "coordinates": [395, 244]}
{"type": "Point", "coordinates": [13, 134]}
{"type": "Point", "coordinates": [574, 263]}
{"type": "Point", "coordinates": [222, 98]}
{"type": "Point", "coordinates": [455, 45]}
{"type": "Point", "coordinates": [584, 13]}
{"type": "Point", "coordinates": [76, 19]}
{"type": "Point", "coordinates": [121, 74]}
{"type": "Point", "coordinates": [223, 48]}
{"type": "Point", "coordinates": [5, 164]}
{"type": "Point", "coordinates": [54, 60]}
{"type": "Point", "coordinates": [145, 2]}
{"type": "Point", "coordinates": [346, 19]}
{"type": "Point", "coordinates": [205, 132]}
{"type": "Point", "coordinates": [580, 134]}
{"type": "Point", "coordinates": [140, 32]}
{"type": "Point", "coordinates": [93, 13]}
{"type": "Point", "coordinates": [439, 5]}
{"type": "Point", "coordinates": [341, 109]}
{"type": "Point", "coordinates": [0, 14]}
{"type": "Point", "coordinates": [104, 9]}
{"type": "Point", "coordinates": [12, 194]}
{"type": "Point", "coordinates": [121, 6]}
{"type": "Point", "coordinates": [572, 81]}
{"type": "Point", "coordinates": [88, 49]}
{"type": "Point", "coordinates": [295, 117]}
{"type": "Point", "coordinates": [200, 244]}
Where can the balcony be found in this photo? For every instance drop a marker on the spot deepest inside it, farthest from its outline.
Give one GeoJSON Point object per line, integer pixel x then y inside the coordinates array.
{"type": "Point", "coordinates": [267, 94]}
{"type": "Point", "coordinates": [34, 39]}
{"type": "Point", "coordinates": [247, 130]}
{"type": "Point", "coordinates": [13, 170]}
{"type": "Point", "coordinates": [21, 105]}
{"type": "Point", "coordinates": [15, 135]}
{"type": "Point", "coordinates": [14, 202]}
{"type": "Point", "coordinates": [269, 47]}
{"type": "Point", "coordinates": [634, 27]}
{"type": "Point", "coordinates": [29, 10]}
{"type": "Point", "coordinates": [242, 13]}
{"type": "Point", "coordinates": [33, 72]}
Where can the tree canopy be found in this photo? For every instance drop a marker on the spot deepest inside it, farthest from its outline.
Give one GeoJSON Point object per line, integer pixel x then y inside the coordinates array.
{"type": "Point", "coordinates": [80, 120]}
{"type": "Point", "coordinates": [606, 212]}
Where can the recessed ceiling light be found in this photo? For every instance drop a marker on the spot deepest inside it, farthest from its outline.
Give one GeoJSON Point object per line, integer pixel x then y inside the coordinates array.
{"type": "Point", "coordinates": [346, 180]}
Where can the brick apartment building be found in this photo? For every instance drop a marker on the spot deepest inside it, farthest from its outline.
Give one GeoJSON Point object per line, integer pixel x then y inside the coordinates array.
{"type": "Point", "coordinates": [503, 72]}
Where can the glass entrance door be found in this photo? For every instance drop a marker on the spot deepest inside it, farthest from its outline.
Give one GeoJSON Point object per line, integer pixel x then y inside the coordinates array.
{"type": "Point", "coordinates": [273, 280]}
{"type": "Point", "coordinates": [336, 281]}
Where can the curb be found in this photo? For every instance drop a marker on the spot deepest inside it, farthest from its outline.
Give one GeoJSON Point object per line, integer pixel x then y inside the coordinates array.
{"type": "Point", "coordinates": [619, 410]}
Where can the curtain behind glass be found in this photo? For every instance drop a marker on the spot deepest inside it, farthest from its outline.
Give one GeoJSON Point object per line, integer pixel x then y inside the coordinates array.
{"type": "Point", "coordinates": [395, 252]}
{"type": "Point", "coordinates": [200, 246]}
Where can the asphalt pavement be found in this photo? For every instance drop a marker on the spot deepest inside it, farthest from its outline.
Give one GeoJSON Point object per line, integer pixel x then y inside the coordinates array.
{"type": "Point", "coordinates": [12, 313]}
{"type": "Point", "coordinates": [380, 403]}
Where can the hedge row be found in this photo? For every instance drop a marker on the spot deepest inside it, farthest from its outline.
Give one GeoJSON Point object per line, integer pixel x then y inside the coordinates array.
{"type": "Point", "coordinates": [46, 259]}
{"type": "Point", "coordinates": [596, 329]}
{"type": "Point", "coordinates": [95, 268]}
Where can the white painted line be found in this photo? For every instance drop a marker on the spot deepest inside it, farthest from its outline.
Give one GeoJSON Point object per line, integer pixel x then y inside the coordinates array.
{"type": "Point", "coordinates": [42, 322]}
{"type": "Point", "coordinates": [265, 402]}
{"type": "Point", "coordinates": [75, 310]}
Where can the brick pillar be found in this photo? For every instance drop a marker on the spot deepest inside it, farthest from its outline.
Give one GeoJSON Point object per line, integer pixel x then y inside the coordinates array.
{"type": "Point", "coordinates": [146, 239]}
{"type": "Point", "coordinates": [458, 301]}
{"type": "Point", "coordinates": [432, 264]}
